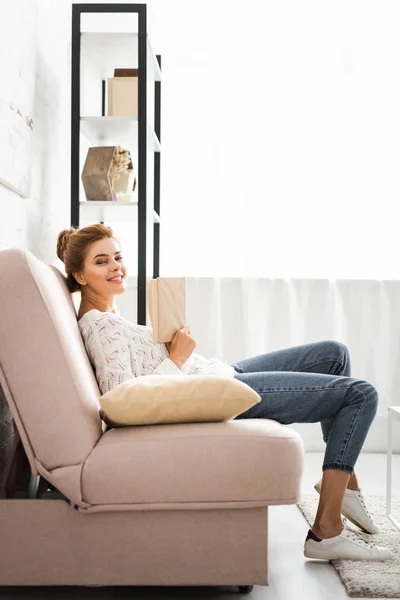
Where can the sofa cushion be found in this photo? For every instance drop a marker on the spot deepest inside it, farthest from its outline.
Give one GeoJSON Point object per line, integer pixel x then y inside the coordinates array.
{"type": "Point", "coordinates": [155, 399]}
{"type": "Point", "coordinates": [238, 460]}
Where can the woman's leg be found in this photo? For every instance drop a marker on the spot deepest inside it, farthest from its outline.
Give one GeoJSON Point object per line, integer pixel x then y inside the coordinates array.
{"type": "Point", "coordinates": [291, 397]}
{"type": "Point", "coordinates": [307, 397]}
{"type": "Point", "coordinates": [328, 356]}
{"type": "Point", "coordinates": [328, 520]}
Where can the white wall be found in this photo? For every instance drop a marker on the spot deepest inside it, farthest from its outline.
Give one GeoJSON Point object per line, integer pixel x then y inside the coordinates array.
{"type": "Point", "coordinates": [34, 222]}
{"type": "Point", "coordinates": [17, 96]}
{"type": "Point", "coordinates": [281, 137]}
{"type": "Point", "coordinates": [294, 105]}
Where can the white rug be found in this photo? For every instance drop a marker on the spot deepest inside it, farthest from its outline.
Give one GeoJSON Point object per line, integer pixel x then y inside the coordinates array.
{"type": "Point", "coordinates": [367, 579]}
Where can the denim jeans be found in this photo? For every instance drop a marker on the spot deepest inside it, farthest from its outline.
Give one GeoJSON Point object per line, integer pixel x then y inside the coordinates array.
{"type": "Point", "coordinates": [308, 384]}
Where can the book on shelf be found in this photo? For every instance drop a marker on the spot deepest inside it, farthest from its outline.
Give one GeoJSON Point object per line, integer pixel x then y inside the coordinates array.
{"type": "Point", "coordinates": [166, 306]}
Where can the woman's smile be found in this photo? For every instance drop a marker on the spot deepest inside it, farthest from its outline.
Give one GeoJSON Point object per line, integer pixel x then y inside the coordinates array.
{"type": "Point", "coordinates": [116, 279]}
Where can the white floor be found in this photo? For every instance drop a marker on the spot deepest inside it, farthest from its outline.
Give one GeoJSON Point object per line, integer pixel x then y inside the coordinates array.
{"type": "Point", "coordinates": [291, 576]}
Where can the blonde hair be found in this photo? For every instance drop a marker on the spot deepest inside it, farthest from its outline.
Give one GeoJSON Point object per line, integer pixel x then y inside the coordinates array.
{"type": "Point", "coordinates": [73, 245]}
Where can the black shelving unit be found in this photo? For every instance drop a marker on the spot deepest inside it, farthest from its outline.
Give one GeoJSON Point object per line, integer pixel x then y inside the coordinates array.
{"type": "Point", "coordinates": [140, 9]}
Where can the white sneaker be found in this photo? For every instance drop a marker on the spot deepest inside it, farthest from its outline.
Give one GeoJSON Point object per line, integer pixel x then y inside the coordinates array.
{"type": "Point", "coordinates": [348, 544]}
{"type": "Point", "coordinates": [355, 509]}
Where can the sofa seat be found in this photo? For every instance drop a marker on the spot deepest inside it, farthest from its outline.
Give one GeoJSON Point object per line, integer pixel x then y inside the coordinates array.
{"type": "Point", "coordinates": [242, 461]}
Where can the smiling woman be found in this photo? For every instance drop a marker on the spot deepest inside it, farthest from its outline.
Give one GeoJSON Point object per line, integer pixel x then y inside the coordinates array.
{"type": "Point", "coordinates": [102, 277]}
{"type": "Point", "coordinates": [94, 265]}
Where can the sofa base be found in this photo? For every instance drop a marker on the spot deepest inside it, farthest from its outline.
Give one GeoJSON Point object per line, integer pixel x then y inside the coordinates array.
{"type": "Point", "coordinates": [48, 542]}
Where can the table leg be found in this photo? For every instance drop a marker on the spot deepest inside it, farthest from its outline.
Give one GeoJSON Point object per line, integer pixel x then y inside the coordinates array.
{"type": "Point", "coordinates": [389, 465]}
{"type": "Point", "coordinates": [389, 472]}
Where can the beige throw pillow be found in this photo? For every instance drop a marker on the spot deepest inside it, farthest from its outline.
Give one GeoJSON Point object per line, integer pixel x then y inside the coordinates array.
{"type": "Point", "coordinates": [155, 399]}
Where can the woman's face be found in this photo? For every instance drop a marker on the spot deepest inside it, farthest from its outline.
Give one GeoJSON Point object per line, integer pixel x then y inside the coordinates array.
{"type": "Point", "coordinates": [104, 270]}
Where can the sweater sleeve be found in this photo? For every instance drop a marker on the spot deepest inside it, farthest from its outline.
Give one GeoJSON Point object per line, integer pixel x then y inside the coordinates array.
{"type": "Point", "coordinates": [167, 367]}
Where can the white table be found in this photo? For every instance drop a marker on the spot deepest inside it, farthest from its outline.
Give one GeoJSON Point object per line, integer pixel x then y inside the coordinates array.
{"type": "Point", "coordinates": [393, 415]}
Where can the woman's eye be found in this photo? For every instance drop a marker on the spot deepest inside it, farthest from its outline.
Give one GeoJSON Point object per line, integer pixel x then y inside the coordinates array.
{"type": "Point", "coordinates": [101, 262]}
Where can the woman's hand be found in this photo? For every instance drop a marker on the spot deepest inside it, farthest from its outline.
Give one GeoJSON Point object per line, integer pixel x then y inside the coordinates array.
{"type": "Point", "coordinates": [168, 344]}
{"type": "Point", "coordinates": [181, 347]}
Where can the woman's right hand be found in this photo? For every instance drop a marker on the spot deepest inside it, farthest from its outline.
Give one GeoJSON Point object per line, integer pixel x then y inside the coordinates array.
{"type": "Point", "coordinates": [182, 346]}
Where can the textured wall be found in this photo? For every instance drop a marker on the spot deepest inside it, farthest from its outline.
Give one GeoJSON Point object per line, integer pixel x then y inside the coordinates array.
{"type": "Point", "coordinates": [34, 222]}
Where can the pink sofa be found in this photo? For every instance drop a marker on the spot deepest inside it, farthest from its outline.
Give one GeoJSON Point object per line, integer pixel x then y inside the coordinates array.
{"type": "Point", "coordinates": [163, 505]}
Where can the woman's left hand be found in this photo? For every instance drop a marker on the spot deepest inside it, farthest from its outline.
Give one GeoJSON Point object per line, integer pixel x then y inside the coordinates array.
{"type": "Point", "coordinates": [168, 344]}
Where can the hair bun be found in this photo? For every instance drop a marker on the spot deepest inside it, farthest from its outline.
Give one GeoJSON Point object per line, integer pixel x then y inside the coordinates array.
{"type": "Point", "coordinates": [62, 241]}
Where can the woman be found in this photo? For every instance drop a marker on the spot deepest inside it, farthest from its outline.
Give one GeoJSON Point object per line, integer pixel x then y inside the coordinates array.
{"type": "Point", "coordinates": [303, 384]}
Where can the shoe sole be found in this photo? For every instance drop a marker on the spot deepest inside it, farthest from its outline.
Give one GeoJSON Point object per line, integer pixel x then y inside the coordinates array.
{"type": "Point", "coordinates": [346, 514]}
{"type": "Point", "coordinates": [331, 557]}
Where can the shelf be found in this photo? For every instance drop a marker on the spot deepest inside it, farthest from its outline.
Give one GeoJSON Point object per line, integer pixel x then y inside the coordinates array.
{"type": "Point", "coordinates": [102, 205]}
{"type": "Point", "coordinates": [107, 203]}
{"type": "Point", "coordinates": [110, 131]}
{"type": "Point", "coordinates": [118, 50]}
{"type": "Point", "coordinates": [104, 38]}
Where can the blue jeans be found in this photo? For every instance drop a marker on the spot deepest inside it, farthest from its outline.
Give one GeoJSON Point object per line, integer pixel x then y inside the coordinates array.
{"type": "Point", "coordinates": [309, 384]}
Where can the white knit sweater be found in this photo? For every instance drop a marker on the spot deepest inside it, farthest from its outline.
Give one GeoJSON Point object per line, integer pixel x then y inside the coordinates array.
{"type": "Point", "coordinates": [120, 350]}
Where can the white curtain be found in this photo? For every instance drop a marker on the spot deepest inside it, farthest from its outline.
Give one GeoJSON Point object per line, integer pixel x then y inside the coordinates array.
{"type": "Point", "coordinates": [235, 318]}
